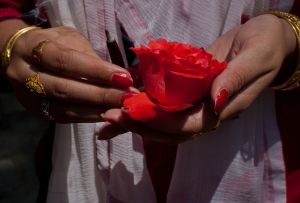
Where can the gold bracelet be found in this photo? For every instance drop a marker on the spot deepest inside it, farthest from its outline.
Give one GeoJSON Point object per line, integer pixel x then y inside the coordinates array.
{"type": "Point", "coordinates": [294, 21]}
{"type": "Point", "coordinates": [6, 52]}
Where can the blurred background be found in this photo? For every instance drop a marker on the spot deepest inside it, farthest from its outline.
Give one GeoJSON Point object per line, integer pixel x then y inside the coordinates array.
{"type": "Point", "coordinates": [19, 134]}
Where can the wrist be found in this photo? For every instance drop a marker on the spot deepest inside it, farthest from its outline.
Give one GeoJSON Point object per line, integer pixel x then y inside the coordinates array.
{"type": "Point", "coordinates": [291, 25]}
{"type": "Point", "coordinates": [8, 27]}
{"type": "Point", "coordinates": [290, 39]}
{"type": "Point", "coordinates": [291, 55]}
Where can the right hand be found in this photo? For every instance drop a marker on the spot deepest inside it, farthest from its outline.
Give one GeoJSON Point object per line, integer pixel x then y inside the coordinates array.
{"type": "Point", "coordinates": [78, 84]}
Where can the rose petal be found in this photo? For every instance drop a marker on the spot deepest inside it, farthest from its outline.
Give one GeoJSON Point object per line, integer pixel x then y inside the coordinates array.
{"type": "Point", "coordinates": [176, 75]}
{"type": "Point", "coordinates": [140, 107]}
{"type": "Point", "coordinates": [175, 107]}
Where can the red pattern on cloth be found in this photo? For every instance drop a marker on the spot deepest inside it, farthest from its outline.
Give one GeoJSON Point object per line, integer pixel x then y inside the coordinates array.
{"type": "Point", "coordinates": [10, 8]}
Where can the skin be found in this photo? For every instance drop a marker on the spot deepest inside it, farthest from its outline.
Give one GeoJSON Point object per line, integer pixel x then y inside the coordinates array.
{"type": "Point", "coordinates": [255, 52]}
{"type": "Point", "coordinates": [67, 58]}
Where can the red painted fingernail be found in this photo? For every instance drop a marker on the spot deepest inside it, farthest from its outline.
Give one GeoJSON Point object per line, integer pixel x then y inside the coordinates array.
{"type": "Point", "coordinates": [127, 95]}
{"type": "Point", "coordinates": [121, 80]}
{"type": "Point", "coordinates": [221, 100]}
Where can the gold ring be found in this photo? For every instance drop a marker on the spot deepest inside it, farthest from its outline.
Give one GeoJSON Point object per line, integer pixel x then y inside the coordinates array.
{"type": "Point", "coordinates": [38, 51]}
{"type": "Point", "coordinates": [34, 85]}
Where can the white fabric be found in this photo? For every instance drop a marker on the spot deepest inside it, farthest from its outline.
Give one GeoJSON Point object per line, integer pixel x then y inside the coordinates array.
{"type": "Point", "coordinates": [240, 162]}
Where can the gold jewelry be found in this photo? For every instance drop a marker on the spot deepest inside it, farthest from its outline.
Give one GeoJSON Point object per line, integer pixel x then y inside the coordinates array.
{"type": "Point", "coordinates": [294, 81]}
{"type": "Point", "coordinates": [7, 49]}
{"type": "Point", "coordinates": [38, 51]}
{"type": "Point", "coordinates": [34, 85]}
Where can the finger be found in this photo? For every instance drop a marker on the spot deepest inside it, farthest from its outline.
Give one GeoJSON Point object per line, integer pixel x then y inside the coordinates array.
{"type": "Point", "coordinates": [70, 61]}
{"type": "Point", "coordinates": [61, 112]}
{"type": "Point", "coordinates": [189, 122]}
{"type": "Point", "coordinates": [245, 97]}
{"type": "Point", "coordinates": [125, 124]}
{"type": "Point", "coordinates": [73, 91]}
{"type": "Point", "coordinates": [221, 47]}
{"type": "Point", "coordinates": [246, 66]}
{"type": "Point", "coordinates": [75, 64]}
{"type": "Point", "coordinates": [197, 119]}
{"type": "Point", "coordinates": [69, 90]}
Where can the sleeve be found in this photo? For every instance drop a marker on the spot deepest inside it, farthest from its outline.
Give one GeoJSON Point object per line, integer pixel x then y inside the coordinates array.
{"type": "Point", "coordinates": [296, 8]}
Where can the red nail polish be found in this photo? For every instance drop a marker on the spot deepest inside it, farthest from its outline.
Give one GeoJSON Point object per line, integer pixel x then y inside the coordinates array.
{"type": "Point", "coordinates": [221, 100]}
{"type": "Point", "coordinates": [127, 95]}
{"type": "Point", "coordinates": [121, 80]}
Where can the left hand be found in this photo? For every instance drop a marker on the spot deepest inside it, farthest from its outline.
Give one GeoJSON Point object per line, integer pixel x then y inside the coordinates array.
{"type": "Point", "coordinates": [255, 52]}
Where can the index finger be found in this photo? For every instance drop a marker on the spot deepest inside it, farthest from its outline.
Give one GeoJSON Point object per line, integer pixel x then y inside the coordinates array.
{"type": "Point", "coordinates": [76, 64]}
{"type": "Point", "coordinates": [78, 61]}
{"type": "Point", "coordinates": [189, 122]}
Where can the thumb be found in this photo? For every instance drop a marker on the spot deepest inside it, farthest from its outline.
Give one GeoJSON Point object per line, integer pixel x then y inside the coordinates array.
{"type": "Point", "coordinates": [246, 70]}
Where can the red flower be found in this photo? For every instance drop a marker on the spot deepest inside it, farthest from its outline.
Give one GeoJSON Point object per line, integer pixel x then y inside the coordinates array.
{"type": "Point", "coordinates": [175, 76]}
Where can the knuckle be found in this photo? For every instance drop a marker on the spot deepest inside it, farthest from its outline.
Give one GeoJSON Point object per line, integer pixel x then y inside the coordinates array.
{"type": "Point", "coordinates": [64, 59]}
{"type": "Point", "coordinates": [33, 36]}
{"type": "Point", "coordinates": [104, 97]}
{"type": "Point", "coordinates": [237, 80]}
{"type": "Point", "coordinates": [111, 97]}
{"type": "Point", "coordinates": [60, 90]}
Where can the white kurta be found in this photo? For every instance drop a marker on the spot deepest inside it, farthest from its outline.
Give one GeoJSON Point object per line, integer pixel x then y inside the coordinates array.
{"type": "Point", "coordinates": [240, 162]}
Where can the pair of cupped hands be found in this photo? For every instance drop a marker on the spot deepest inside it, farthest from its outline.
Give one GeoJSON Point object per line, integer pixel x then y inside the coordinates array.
{"type": "Point", "coordinates": [81, 87]}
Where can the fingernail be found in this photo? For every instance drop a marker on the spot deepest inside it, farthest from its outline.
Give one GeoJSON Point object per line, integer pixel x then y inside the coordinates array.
{"type": "Point", "coordinates": [221, 100]}
{"type": "Point", "coordinates": [127, 95]}
{"type": "Point", "coordinates": [121, 80]}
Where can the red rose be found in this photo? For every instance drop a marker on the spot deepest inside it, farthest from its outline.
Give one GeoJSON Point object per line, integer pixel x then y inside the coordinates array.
{"type": "Point", "coordinates": [175, 76]}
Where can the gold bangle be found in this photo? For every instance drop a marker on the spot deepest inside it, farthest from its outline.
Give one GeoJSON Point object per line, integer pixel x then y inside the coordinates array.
{"type": "Point", "coordinates": [6, 52]}
{"type": "Point", "coordinates": [294, 21]}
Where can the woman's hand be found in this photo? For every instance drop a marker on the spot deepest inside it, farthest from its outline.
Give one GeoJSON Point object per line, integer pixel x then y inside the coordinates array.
{"type": "Point", "coordinates": [254, 51]}
{"type": "Point", "coordinates": [78, 84]}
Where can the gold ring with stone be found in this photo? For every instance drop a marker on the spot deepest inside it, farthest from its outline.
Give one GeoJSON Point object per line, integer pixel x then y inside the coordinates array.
{"type": "Point", "coordinates": [38, 51]}
{"type": "Point", "coordinates": [34, 85]}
